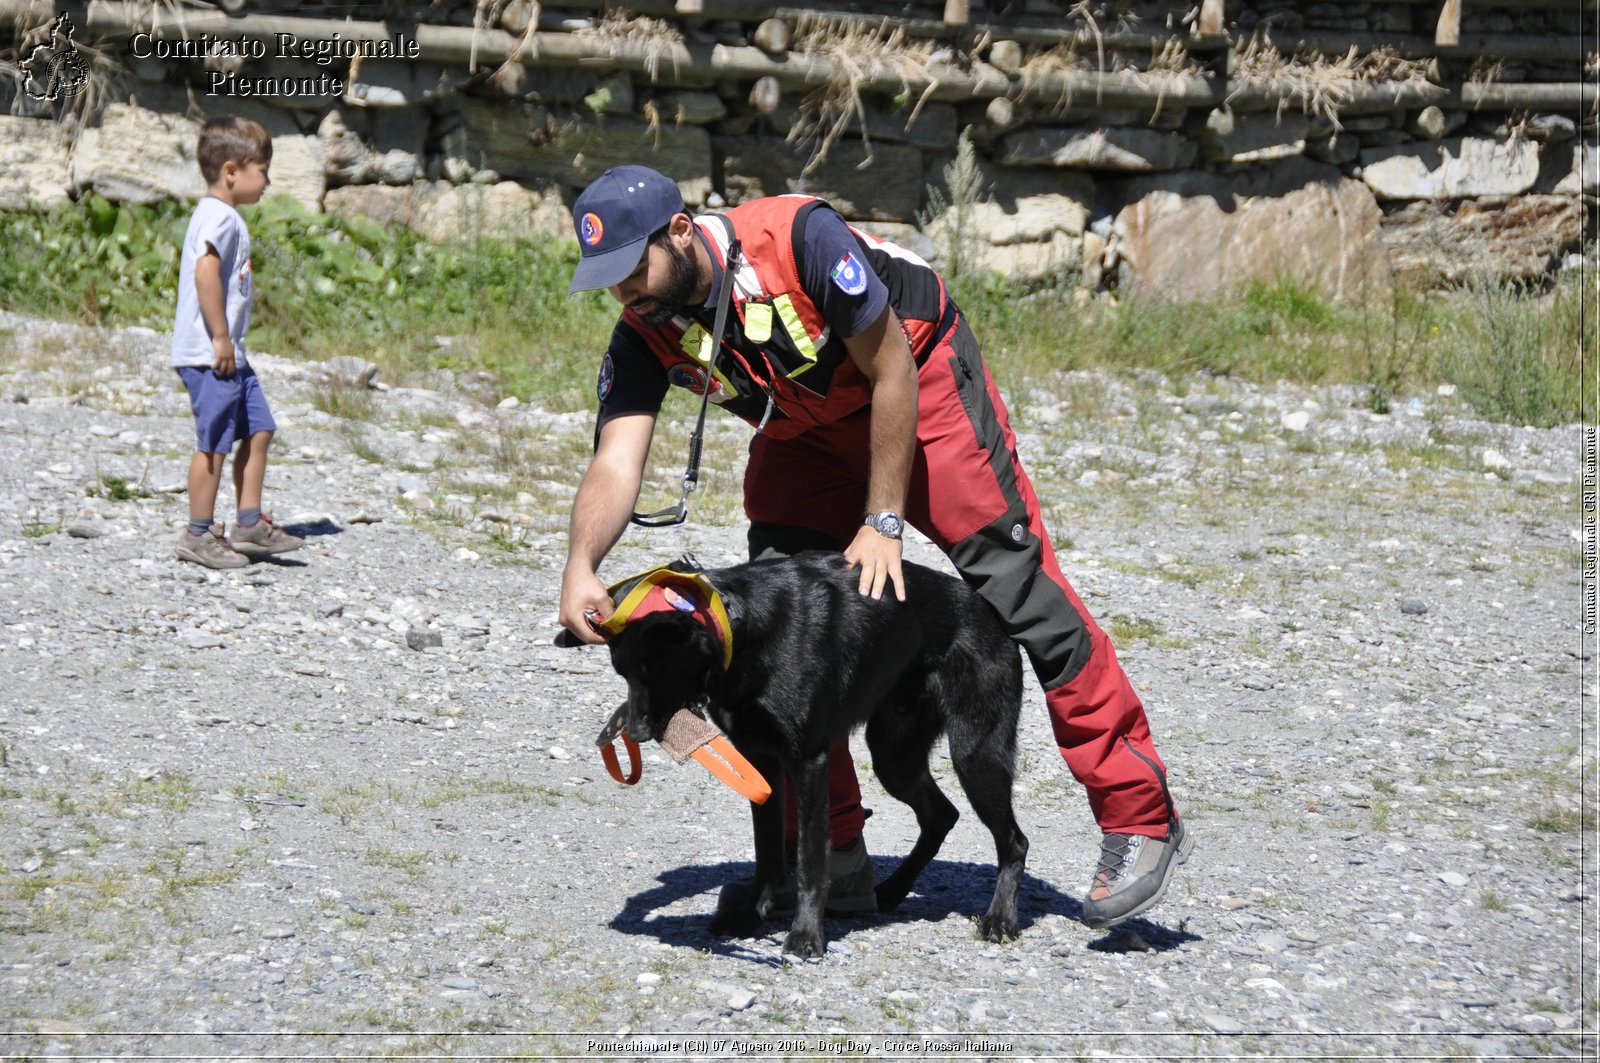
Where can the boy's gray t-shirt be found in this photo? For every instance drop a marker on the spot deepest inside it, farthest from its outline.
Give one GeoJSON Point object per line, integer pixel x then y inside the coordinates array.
{"type": "Point", "coordinates": [219, 226]}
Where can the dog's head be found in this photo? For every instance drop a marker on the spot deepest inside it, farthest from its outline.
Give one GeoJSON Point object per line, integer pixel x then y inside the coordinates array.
{"type": "Point", "coordinates": [670, 662]}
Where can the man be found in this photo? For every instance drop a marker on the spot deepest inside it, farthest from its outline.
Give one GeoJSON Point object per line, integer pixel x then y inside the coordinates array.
{"type": "Point", "coordinates": [874, 409]}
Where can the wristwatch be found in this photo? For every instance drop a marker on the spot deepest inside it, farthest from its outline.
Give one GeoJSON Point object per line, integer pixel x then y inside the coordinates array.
{"type": "Point", "coordinates": [888, 525]}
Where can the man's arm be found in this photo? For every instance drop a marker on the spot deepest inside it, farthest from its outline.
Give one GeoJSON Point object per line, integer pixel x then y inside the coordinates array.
{"type": "Point", "coordinates": [209, 288]}
{"type": "Point", "coordinates": [884, 358]}
{"type": "Point", "coordinates": [600, 511]}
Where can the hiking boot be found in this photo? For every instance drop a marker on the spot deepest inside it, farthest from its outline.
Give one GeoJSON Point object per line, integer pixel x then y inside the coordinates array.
{"type": "Point", "coordinates": [264, 538]}
{"type": "Point", "coordinates": [1133, 874]}
{"type": "Point", "coordinates": [211, 549]}
{"type": "Point", "coordinates": [850, 885]}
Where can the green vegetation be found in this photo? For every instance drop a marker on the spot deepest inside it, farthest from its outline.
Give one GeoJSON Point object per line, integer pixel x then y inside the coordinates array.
{"type": "Point", "coordinates": [327, 286]}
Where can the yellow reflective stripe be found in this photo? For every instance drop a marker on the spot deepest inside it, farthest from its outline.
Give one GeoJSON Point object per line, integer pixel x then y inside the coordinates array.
{"type": "Point", "coordinates": [797, 333]}
{"type": "Point", "coordinates": [696, 343]}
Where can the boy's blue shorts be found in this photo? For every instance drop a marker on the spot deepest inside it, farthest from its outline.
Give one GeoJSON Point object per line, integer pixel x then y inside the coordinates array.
{"type": "Point", "coordinates": [226, 409]}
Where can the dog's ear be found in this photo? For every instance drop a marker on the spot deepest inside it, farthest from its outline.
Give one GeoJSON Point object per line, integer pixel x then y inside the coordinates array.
{"type": "Point", "coordinates": [567, 640]}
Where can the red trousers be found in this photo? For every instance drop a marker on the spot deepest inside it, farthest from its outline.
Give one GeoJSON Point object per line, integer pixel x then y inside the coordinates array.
{"type": "Point", "coordinates": [970, 495]}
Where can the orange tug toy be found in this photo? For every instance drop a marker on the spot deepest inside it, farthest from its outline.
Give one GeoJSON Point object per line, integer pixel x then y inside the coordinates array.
{"type": "Point", "coordinates": [688, 736]}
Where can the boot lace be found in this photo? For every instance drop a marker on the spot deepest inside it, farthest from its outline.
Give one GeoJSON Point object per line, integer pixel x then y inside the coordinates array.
{"type": "Point", "coordinates": [1115, 851]}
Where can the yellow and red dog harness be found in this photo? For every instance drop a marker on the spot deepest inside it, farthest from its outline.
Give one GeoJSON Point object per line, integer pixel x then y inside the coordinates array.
{"type": "Point", "coordinates": [688, 736]}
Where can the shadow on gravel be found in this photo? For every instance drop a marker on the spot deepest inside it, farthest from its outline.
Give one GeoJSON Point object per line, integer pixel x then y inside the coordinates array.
{"type": "Point", "coordinates": [308, 529]}
{"type": "Point", "coordinates": [944, 889]}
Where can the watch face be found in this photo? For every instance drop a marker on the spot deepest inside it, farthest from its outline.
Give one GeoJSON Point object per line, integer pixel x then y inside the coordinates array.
{"type": "Point", "coordinates": [890, 525]}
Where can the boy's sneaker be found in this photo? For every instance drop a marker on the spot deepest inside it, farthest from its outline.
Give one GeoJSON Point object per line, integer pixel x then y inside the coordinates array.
{"type": "Point", "coordinates": [850, 885]}
{"type": "Point", "coordinates": [1133, 874]}
{"type": "Point", "coordinates": [211, 549]}
{"type": "Point", "coordinates": [264, 538]}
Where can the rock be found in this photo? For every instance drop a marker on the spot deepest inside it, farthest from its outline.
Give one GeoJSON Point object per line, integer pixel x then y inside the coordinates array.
{"type": "Point", "coordinates": [1124, 149]}
{"type": "Point", "coordinates": [393, 83]}
{"type": "Point", "coordinates": [688, 107]}
{"type": "Point", "coordinates": [37, 163]}
{"type": "Point", "coordinates": [278, 933]}
{"type": "Point", "coordinates": [459, 982]}
{"type": "Point", "coordinates": [533, 142]}
{"type": "Point", "coordinates": [1431, 243]}
{"type": "Point", "coordinates": [1248, 138]}
{"type": "Point", "coordinates": [880, 184]}
{"type": "Point", "coordinates": [421, 638]}
{"type": "Point", "coordinates": [931, 128]}
{"type": "Point", "coordinates": [1458, 168]}
{"type": "Point", "coordinates": [1453, 878]}
{"type": "Point", "coordinates": [1435, 123]}
{"type": "Point", "coordinates": [1006, 57]}
{"type": "Point", "coordinates": [1303, 220]}
{"type": "Point", "coordinates": [1550, 128]}
{"type": "Point", "coordinates": [1493, 459]}
{"type": "Point", "coordinates": [135, 155]}
{"type": "Point", "coordinates": [84, 531]}
{"type": "Point", "coordinates": [1413, 606]}
{"type": "Point", "coordinates": [348, 371]}
{"type": "Point", "coordinates": [193, 639]}
{"type": "Point", "coordinates": [1585, 175]}
{"type": "Point", "coordinates": [1295, 421]}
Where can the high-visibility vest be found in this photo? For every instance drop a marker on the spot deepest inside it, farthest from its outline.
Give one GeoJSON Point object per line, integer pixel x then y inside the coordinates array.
{"type": "Point", "coordinates": [780, 366]}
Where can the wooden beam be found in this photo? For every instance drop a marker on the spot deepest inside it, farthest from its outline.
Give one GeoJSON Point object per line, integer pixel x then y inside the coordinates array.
{"type": "Point", "coordinates": [1448, 35]}
{"type": "Point", "coordinates": [955, 12]}
{"type": "Point", "coordinates": [1212, 16]}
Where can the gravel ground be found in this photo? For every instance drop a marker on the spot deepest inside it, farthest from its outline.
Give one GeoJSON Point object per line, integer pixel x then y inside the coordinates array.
{"type": "Point", "coordinates": [346, 804]}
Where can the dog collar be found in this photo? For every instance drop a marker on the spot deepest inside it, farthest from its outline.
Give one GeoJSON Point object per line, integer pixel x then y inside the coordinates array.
{"type": "Point", "coordinates": [661, 589]}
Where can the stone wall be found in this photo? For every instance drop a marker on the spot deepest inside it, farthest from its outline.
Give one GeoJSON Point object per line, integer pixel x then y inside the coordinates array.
{"type": "Point", "coordinates": [1129, 145]}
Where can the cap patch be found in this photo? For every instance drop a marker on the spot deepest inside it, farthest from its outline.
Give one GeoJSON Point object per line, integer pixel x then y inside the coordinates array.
{"type": "Point", "coordinates": [593, 229]}
{"type": "Point", "coordinates": [849, 275]}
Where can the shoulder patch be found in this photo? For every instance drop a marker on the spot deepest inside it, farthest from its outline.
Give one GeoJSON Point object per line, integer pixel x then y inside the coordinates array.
{"type": "Point", "coordinates": [849, 274]}
{"type": "Point", "coordinates": [608, 375]}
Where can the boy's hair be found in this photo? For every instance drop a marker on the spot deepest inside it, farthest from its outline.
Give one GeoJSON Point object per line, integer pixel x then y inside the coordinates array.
{"type": "Point", "coordinates": [231, 139]}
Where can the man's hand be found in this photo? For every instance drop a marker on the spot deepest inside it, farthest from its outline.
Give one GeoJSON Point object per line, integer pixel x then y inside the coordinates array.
{"type": "Point", "coordinates": [583, 594]}
{"type": "Point", "coordinates": [879, 558]}
{"type": "Point", "coordinates": [222, 359]}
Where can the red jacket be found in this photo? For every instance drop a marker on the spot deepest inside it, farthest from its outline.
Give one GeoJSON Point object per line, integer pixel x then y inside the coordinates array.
{"type": "Point", "coordinates": [780, 365]}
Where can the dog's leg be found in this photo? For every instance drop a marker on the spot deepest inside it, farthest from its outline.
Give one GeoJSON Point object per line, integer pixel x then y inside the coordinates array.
{"type": "Point", "coordinates": [900, 760]}
{"type": "Point", "coordinates": [985, 769]}
{"type": "Point", "coordinates": [743, 906]}
{"type": "Point", "coordinates": [811, 864]}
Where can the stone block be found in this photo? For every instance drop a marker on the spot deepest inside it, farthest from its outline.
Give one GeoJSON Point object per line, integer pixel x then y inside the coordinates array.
{"type": "Point", "coordinates": [1194, 234]}
{"type": "Point", "coordinates": [36, 163]}
{"type": "Point", "coordinates": [534, 143]}
{"type": "Point", "coordinates": [935, 127]}
{"type": "Point", "coordinates": [1119, 148]}
{"type": "Point", "coordinates": [1241, 138]}
{"type": "Point", "coordinates": [133, 155]}
{"type": "Point", "coordinates": [1461, 167]}
{"type": "Point", "coordinates": [1520, 238]}
{"type": "Point", "coordinates": [391, 83]}
{"type": "Point", "coordinates": [883, 185]}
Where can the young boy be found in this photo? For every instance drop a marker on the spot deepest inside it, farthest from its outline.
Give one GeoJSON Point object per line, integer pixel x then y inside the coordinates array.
{"type": "Point", "coordinates": [208, 351]}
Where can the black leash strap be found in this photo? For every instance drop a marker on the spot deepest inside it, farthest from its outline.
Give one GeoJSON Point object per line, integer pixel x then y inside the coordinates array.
{"type": "Point", "coordinates": [666, 518]}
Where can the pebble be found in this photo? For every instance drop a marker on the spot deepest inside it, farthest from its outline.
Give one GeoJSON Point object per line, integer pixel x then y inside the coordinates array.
{"type": "Point", "coordinates": [1413, 606]}
{"type": "Point", "coordinates": [421, 638]}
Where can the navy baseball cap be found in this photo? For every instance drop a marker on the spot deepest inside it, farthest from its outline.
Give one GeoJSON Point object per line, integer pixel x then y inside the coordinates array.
{"type": "Point", "coordinates": [614, 217]}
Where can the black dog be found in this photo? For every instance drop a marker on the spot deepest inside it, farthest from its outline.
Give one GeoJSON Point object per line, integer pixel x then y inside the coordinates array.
{"type": "Point", "coordinates": [812, 660]}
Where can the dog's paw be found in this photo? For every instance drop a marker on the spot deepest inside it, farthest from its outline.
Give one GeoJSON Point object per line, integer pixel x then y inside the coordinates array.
{"type": "Point", "coordinates": [739, 922]}
{"type": "Point", "coordinates": [807, 945]}
{"type": "Point", "coordinates": [889, 897]}
{"type": "Point", "coordinates": [998, 928]}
